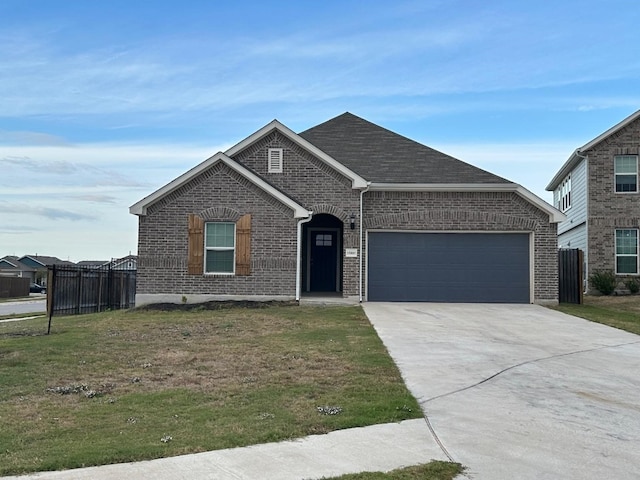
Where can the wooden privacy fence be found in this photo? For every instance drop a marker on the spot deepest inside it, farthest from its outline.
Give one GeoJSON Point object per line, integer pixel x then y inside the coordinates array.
{"type": "Point", "coordinates": [12, 287]}
{"type": "Point", "coordinates": [570, 275]}
{"type": "Point", "coordinates": [74, 290]}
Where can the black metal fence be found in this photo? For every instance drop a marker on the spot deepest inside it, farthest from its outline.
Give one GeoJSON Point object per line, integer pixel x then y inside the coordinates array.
{"type": "Point", "coordinates": [570, 275]}
{"type": "Point", "coordinates": [74, 290]}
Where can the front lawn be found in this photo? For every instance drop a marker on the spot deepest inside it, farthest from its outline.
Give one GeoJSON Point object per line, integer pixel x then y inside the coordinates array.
{"type": "Point", "coordinates": [621, 312]}
{"type": "Point", "coordinates": [133, 385]}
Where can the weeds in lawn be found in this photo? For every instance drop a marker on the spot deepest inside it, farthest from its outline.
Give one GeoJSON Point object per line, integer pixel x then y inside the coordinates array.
{"type": "Point", "coordinates": [105, 388]}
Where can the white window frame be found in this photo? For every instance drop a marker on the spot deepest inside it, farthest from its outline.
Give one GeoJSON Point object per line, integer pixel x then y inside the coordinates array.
{"type": "Point", "coordinates": [625, 254]}
{"type": "Point", "coordinates": [275, 160]}
{"type": "Point", "coordinates": [208, 249]}
{"type": "Point", "coordinates": [564, 200]}
{"type": "Point", "coordinates": [615, 174]}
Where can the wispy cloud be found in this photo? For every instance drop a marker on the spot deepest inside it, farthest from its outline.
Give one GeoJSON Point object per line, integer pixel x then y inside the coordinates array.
{"type": "Point", "coordinates": [69, 172]}
{"type": "Point", "coordinates": [474, 51]}
{"type": "Point", "coordinates": [50, 213]}
{"type": "Point", "coordinates": [96, 198]}
{"type": "Point", "coordinates": [18, 229]}
{"type": "Point", "coordinates": [30, 138]}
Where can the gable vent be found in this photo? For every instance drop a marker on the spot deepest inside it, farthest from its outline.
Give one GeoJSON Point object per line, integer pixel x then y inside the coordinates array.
{"type": "Point", "coordinates": [275, 160]}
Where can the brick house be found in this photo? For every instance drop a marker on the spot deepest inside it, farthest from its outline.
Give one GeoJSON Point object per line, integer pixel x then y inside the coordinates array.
{"type": "Point", "coordinates": [346, 208]}
{"type": "Point", "coordinates": [597, 189]}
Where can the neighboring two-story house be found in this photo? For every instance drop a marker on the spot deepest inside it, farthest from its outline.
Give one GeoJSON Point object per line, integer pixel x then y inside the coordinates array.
{"type": "Point", "coordinates": [597, 189]}
{"type": "Point", "coordinates": [345, 208]}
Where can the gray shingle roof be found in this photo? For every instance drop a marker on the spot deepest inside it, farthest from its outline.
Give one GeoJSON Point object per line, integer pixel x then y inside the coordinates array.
{"type": "Point", "coordinates": [47, 260]}
{"type": "Point", "coordinates": [380, 155]}
{"type": "Point", "coordinates": [13, 260]}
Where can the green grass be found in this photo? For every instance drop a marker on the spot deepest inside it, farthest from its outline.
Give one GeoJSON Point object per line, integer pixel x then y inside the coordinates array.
{"type": "Point", "coordinates": [619, 312]}
{"type": "Point", "coordinates": [431, 471]}
{"type": "Point", "coordinates": [207, 379]}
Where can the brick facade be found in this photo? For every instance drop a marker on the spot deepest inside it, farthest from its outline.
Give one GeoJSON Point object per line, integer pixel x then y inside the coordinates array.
{"type": "Point", "coordinates": [220, 193]}
{"type": "Point", "coordinates": [608, 210]}
{"type": "Point", "coordinates": [471, 211]}
{"type": "Point", "coordinates": [314, 184]}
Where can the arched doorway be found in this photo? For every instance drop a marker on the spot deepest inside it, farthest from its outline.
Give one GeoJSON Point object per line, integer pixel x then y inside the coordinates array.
{"type": "Point", "coordinates": [321, 254]}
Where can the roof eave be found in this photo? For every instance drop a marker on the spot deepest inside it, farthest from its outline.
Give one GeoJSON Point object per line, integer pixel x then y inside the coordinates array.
{"type": "Point", "coordinates": [568, 166]}
{"type": "Point", "coordinates": [140, 208]}
{"type": "Point", "coordinates": [618, 126]}
{"type": "Point", "coordinates": [357, 181]}
{"type": "Point", "coordinates": [555, 215]}
{"type": "Point", "coordinates": [577, 154]}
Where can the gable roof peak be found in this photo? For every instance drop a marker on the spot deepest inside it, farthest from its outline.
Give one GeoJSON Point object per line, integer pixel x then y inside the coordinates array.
{"type": "Point", "coordinates": [579, 153]}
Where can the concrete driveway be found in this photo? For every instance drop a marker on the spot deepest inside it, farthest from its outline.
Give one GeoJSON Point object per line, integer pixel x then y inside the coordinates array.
{"type": "Point", "coordinates": [520, 391]}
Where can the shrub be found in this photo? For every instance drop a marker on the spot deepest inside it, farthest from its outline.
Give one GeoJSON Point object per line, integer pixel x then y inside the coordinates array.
{"type": "Point", "coordinates": [605, 282]}
{"type": "Point", "coordinates": [633, 285]}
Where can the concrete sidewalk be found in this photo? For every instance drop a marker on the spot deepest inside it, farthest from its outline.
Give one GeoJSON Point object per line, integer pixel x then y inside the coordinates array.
{"type": "Point", "coordinates": [375, 448]}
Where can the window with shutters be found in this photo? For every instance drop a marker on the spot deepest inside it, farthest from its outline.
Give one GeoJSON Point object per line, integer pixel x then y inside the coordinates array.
{"type": "Point", "coordinates": [275, 160]}
{"type": "Point", "coordinates": [219, 247]}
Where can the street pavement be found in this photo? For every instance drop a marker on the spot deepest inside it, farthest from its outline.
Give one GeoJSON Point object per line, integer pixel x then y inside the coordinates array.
{"type": "Point", "coordinates": [37, 303]}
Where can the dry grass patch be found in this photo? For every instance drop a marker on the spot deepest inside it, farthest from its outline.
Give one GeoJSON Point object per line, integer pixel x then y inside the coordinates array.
{"type": "Point", "coordinates": [126, 386]}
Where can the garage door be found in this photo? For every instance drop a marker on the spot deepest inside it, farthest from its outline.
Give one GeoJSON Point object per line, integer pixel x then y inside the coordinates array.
{"type": "Point", "coordinates": [448, 267]}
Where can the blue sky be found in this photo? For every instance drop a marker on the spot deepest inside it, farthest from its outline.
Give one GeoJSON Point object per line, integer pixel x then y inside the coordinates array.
{"type": "Point", "coordinates": [102, 103]}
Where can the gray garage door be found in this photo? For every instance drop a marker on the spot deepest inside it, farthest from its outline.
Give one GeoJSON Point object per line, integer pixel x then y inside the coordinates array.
{"type": "Point", "coordinates": [448, 267]}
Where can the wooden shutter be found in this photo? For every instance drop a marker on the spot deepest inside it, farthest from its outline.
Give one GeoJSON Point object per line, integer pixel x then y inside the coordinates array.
{"type": "Point", "coordinates": [243, 245]}
{"type": "Point", "coordinates": [195, 262]}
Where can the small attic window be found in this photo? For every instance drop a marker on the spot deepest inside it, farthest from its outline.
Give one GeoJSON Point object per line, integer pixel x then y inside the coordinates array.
{"type": "Point", "coordinates": [275, 160]}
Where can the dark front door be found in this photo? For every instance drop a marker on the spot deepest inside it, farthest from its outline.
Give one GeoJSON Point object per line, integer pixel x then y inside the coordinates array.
{"type": "Point", "coordinates": [323, 260]}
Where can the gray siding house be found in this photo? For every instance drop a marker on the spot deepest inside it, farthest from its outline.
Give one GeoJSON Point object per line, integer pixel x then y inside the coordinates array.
{"type": "Point", "coordinates": [597, 189]}
{"type": "Point", "coordinates": [346, 208]}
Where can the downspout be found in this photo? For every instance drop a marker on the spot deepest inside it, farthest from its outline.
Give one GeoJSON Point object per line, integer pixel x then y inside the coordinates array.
{"type": "Point", "coordinates": [299, 255]}
{"type": "Point", "coordinates": [362, 192]}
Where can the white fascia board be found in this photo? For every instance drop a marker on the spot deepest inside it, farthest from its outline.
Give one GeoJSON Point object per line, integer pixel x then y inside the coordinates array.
{"type": "Point", "coordinates": [140, 208]}
{"type": "Point", "coordinates": [578, 155]}
{"type": "Point", "coordinates": [555, 215]}
{"type": "Point", "coordinates": [611, 131]}
{"type": "Point", "coordinates": [357, 181]}
{"type": "Point", "coordinates": [565, 170]}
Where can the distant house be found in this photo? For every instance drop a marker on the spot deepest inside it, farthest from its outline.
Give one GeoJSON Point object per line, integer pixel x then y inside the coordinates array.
{"type": "Point", "coordinates": [40, 263]}
{"type": "Point", "coordinates": [12, 267]}
{"type": "Point", "coordinates": [598, 190]}
{"type": "Point", "coordinates": [130, 262]}
{"type": "Point", "coordinates": [346, 208]}
{"type": "Point", "coordinates": [92, 263]}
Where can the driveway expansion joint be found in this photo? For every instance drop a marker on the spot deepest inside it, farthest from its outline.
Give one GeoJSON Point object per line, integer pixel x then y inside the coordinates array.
{"type": "Point", "coordinates": [527, 362]}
